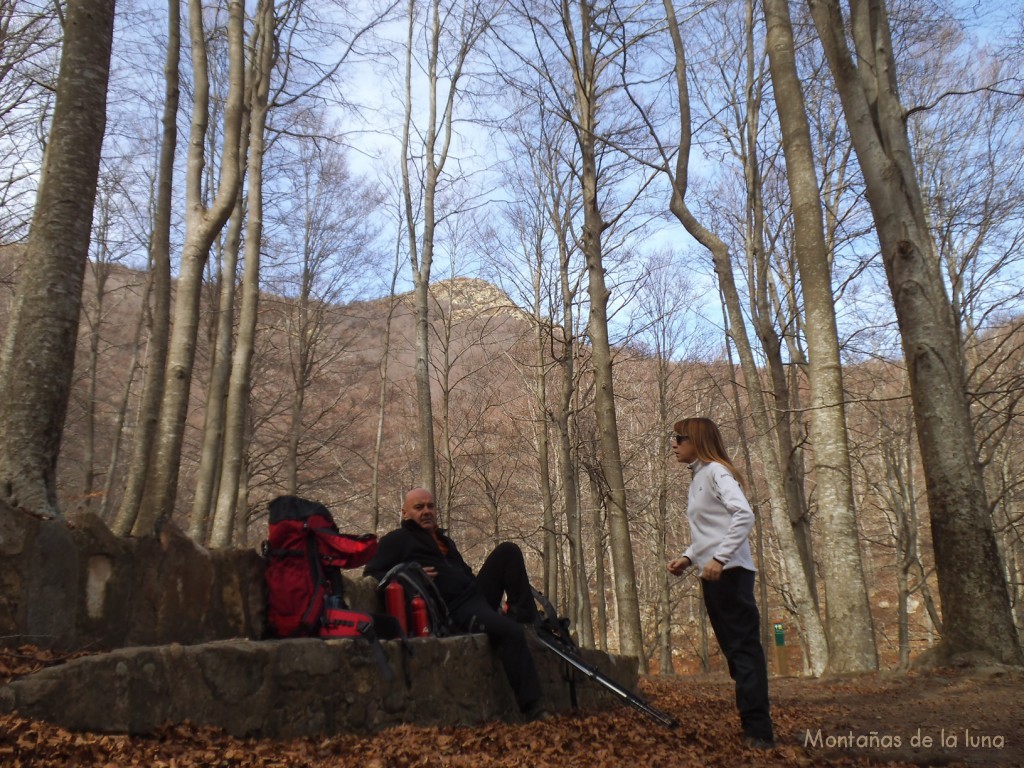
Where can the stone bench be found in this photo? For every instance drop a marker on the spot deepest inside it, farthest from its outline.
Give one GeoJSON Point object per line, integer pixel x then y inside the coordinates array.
{"type": "Point", "coordinates": [179, 629]}
{"type": "Point", "coordinates": [301, 687]}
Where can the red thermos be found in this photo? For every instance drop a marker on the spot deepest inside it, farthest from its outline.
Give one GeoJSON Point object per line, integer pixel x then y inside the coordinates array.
{"type": "Point", "coordinates": [419, 617]}
{"type": "Point", "coordinates": [394, 604]}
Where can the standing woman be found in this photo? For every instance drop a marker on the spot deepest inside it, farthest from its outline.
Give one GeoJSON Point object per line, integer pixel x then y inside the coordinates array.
{"type": "Point", "coordinates": [720, 521]}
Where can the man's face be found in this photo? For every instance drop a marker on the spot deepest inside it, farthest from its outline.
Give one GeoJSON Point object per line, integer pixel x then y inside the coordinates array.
{"type": "Point", "coordinates": [419, 507]}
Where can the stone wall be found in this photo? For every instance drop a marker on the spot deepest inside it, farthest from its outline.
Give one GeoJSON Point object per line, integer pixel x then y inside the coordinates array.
{"type": "Point", "coordinates": [73, 585]}
{"type": "Point", "coordinates": [285, 688]}
{"type": "Point", "coordinates": [176, 629]}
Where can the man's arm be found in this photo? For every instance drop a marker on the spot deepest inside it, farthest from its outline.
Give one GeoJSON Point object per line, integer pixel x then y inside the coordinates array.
{"type": "Point", "coordinates": [390, 552]}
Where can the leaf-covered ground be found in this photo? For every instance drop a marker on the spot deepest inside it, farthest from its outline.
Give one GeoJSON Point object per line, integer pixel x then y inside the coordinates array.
{"type": "Point", "coordinates": [864, 721]}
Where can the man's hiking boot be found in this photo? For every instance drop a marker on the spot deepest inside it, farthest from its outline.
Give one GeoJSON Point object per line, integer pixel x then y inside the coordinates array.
{"type": "Point", "coordinates": [536, 712]}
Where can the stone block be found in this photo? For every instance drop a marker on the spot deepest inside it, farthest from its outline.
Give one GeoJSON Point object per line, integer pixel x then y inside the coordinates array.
{"type": "Point", "coordinates": [289, 688]}
{"type": "Point", "coordinates": [71, 584]}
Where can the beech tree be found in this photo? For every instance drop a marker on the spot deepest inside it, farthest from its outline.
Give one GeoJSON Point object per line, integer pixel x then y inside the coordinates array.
{"type": "Point", "coordinates": [451, 31]}
{"type": "Point", "coordinates": [972, 584]}
{"type": "Point", "coordinates": [849, 626]}
{"type": "Point", "coordinates": [579, 50]}
{"type": "Point", "coordinates": [525, 262]}
{"type": "Point", "coordinates": [810, 621]}
{"type": "Point", "coordinates": [158, 294]}
{"type": "Point", "coordinates": [760, 215]}
{"type": "Point", "coordinates": [39, 352]}
{"type": "Point", "coordinates": [202, 224]}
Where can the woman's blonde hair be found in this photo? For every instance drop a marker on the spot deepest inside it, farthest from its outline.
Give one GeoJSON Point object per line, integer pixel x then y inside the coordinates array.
{"type": "Point", "coordinates": [707, 443]}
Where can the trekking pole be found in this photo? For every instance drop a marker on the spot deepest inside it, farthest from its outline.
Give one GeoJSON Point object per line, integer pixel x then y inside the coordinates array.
{"type": "Point", "coordinates": [554, 633]}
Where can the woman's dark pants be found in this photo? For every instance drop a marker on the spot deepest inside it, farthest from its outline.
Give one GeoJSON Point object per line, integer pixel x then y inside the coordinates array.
{"type": "Point", "coordinates": [737, 625]}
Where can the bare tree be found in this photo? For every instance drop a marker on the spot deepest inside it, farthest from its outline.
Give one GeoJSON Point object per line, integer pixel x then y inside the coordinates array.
{"type": "Point", "coordinates": [972, 585]}
{"type": "Point", "coordinates": [220, 366]}
{"type": "Point", "coordinates": [39, 352]}
{"type": "Point", "coordinates": [159, 287]}
{"type": "Point", "coordinates": [733, 96]}
{"type": "Point", "coordinates": [109, 249]}
{"type": "Point", "coordinates": [202, 224]}
{"type": "Point", "coordinates": [850, 627]}
{"type": "Point", "coordinates": [330, 220]}
{"type": "Point", "coordinates": [807, 611]}
{"type": "Point", "coordinates": [29, 47]}
{"type": "Point", "coordinates": [525, 261]}
{"type": "Point", "coordinates": [451, 31]}
{"type": "Point", "coordinates": [889, 459]}
{"type": "Point", "coordinates": [579, 50]}
{"type": "Point", "coordinates": [663, 299]}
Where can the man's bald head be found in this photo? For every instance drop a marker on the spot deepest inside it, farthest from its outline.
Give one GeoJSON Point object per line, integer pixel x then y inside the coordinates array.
{"type": "Point", "coordinates": [419, 507]}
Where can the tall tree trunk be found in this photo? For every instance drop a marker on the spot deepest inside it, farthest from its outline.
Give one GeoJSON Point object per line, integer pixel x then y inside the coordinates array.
{"type": "Point", "coordinates": [159, 293]}
{"type": "Point", "coordinates": [447, 492]}
{"type": "Point", "coordinates": [201, 227]}
{"type": "Point", "coordinates": [972, 585]}
{"type": "Point", "coordinates": [220, 374]}
{"type": "Point", "coordinates": [665, 666]}
{"type": "Point", "coordinates": [382, 400]}
{"type": "Point", "coordinates": [620, 541]}
{"type": "Point", "coordinates": [39, 352]}
{"type": "Point", "coordinates": [748, 467]}
{"type": "Point", "coordinates": [542, 433]}
{"type": "Point", "coordinates": [232, 488]}
{"type": "Point", "coordinates": [849, 626]}
{"type": "Point", "coordinates": [597, 517]}
{"type": "Point", "coordinates": [421, 260]}
{"type": "Point", "coordinates": [101, 271]}
{"type": "Point", "coordinates": [764, 318]}
{"type": "Point", "coordinates": [578, 594]}
{"type": "Point", "coordinates": [807, 613]}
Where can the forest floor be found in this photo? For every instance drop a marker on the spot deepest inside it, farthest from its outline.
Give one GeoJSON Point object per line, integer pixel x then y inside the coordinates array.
{"type": "Point", "coordinates": [939, 718]}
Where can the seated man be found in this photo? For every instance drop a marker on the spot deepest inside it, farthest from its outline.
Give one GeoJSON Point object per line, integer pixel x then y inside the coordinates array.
{"type": "Point", "coordinates": [472, 601]}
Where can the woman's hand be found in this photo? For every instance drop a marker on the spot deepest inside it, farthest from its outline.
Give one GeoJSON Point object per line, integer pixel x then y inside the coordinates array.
{"type": "Point", "coordinates": [712, 571]}
{"type": "Point", "coordinates": [677, 566]}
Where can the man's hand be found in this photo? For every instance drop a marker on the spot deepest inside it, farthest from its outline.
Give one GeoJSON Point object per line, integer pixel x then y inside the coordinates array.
{"type": "Point", "coordinates": [677, 566]}
{"type": "Point", "coordinates": [430, 570]}
{"type": "Point", "coordinates": [712, 571]}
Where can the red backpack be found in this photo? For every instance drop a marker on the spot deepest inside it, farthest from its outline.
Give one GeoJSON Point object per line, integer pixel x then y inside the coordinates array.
{"type": "Point", "coordinates": [305, 554]}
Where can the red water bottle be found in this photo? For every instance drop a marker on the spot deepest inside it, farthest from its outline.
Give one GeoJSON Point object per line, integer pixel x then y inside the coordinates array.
{"type": "Point", "coordinates": [419, 617]}
{"type": "Point", "coordinates": [394, 604]}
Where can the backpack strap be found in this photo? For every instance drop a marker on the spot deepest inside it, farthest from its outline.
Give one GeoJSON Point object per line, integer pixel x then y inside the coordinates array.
{"type": "Point", "coordinates": [416, 582]}
{"type": "Point", "coordinates": [340, 622]}
{"type": "Point", "coordinates": [311, 617]}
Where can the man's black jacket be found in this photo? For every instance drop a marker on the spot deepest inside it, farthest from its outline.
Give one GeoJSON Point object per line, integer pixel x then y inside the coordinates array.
{"type": "Point", "coordinates": [411, 543]}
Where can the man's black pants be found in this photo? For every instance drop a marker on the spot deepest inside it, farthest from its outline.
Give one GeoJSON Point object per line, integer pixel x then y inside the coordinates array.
{"type": "Point", "coordinates": [737, 625]}
{"type": "Point", "coordinates": [504, 573]}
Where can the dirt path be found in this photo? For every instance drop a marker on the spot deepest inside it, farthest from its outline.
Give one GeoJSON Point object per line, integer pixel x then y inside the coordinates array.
{"type": "Point", "coordinates": [944, 718]}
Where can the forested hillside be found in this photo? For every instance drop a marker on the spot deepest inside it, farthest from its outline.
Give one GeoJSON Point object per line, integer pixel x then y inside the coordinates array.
{"type": "Point", "coordinates": [484, 365]}
{"type": "Point", "coordinates": [496, 250]}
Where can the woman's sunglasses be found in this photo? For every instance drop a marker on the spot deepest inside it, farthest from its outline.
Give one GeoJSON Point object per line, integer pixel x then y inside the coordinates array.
{"type": "Point", "coordinates": [680, 439]}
